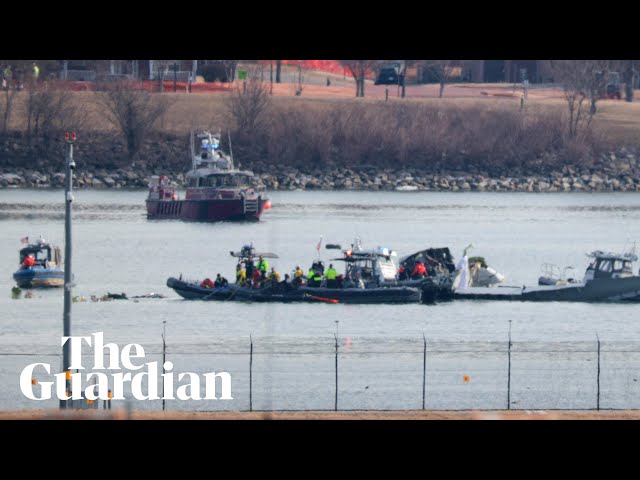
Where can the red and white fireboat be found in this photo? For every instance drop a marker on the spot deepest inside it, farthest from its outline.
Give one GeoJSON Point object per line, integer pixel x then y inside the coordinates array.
{"type": "Point", "coordinates": [216, 190]}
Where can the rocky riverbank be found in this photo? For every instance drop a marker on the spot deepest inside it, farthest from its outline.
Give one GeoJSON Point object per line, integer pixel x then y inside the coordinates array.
{"type": "Point", "coordinates": [618, 171]}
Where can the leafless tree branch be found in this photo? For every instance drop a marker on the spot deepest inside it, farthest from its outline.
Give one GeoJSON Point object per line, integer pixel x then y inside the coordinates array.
{"type": "Point", "coordinates": [133, 111]}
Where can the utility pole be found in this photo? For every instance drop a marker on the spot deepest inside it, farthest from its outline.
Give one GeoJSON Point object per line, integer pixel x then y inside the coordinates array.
{"type": "Point", "coordinates": [66, 317]}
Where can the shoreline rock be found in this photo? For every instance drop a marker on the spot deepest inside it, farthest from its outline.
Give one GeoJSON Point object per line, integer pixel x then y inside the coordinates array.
{"type": "Point", "coordinates": [340, 181]}
{"type": "Point", "coordinates": [612, 172]}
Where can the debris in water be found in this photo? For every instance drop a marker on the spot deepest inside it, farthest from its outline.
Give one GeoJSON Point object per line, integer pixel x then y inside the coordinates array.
{"type": "Point", "coordinates": [117, 296]}
{"type": "Point", "coordinates": [16, 292]}
{"type": "Point", "coordinates": [150, 295]}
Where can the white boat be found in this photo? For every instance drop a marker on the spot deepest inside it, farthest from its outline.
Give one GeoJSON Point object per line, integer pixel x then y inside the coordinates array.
{"type": "Point", "coordinates": [608, 278]}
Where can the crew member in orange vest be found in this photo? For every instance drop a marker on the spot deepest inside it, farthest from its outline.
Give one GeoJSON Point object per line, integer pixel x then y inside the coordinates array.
{"type": "Point", "coordinates": [29, 261]}
{"type": "Point", "coordinates": [419, 270]}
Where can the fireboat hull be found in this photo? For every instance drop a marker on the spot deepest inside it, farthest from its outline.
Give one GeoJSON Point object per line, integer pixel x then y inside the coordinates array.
{"type": "Point", "coordinates": [206, 210]}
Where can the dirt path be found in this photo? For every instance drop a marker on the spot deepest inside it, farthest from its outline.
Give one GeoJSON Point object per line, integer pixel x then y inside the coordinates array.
{"type": "Point", "coordinates": [314, 415]}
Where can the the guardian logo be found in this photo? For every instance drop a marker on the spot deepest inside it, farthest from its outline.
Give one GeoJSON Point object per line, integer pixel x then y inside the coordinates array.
{"type": "Point", "coordinates": [118, 360]}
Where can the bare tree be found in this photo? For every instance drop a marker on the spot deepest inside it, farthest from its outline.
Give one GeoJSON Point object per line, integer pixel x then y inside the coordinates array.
{"type": "Point", "coordinates": [442, 71]}
{"type": "Point", "coordinates": [230, 69]}
{"type": "Point", "coordinates": [247, 105]}
{"type": "Point", "coordinates": [133, 111]}
{"type": "Point", "coordinates": [403, 77]}
{"type": "Point", "coordinates": [300, 70]}
{"type": "Point", "coordinates": [629, 69]}
{"type": "Point", "coordinates": [581, 80]}
{"type": "Point", "coordinates": [359, 69]}
{"type": "Point", "coordinates": [50, 109]}
{"type": "Point", "coordinates": [6, 108]}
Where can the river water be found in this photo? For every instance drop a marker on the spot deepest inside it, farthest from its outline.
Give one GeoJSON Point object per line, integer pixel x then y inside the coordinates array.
{"type": "Point", "coordinates": [381, 348]}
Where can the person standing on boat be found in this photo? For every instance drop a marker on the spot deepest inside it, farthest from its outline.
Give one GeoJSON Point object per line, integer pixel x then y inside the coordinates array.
{"type": "Point", "coordinates": [419, 271]}
{"type": "Point", "coordinates": [402, 273]}
{"type": "Point", "coordinates": [331, 274]}
{"type": "Point", "coordinates": [249, 267]}
{"type": "Point", "coordinates": [311, 278]}
{"type": "Point", "coordinates": [263, 266]}
{"type": "Point", "coordinates": [256, 277]}
{"type": "Point", "coordinates": [286, 284]}
{"type": "Point", "coordinates": [274, 276]}
{"type": "Point", "coordinates": [29, 261]}
{"type": "Point", "coordinates": [464, 277]}
{"type": "Point", "coordinates": [241, 274]}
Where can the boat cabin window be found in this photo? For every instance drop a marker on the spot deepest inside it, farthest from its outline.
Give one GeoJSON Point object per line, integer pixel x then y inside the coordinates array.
{"type": "Point", "coordinates": [41, 256]}
{"type": "Point", "coordinates": [215, 181]}
{"type": "Point", "coordinates": [387, 268]}
{"type": "Point", "coordinates": [606, 266]}
{"type": "Point", "coordinates": [362, 270]}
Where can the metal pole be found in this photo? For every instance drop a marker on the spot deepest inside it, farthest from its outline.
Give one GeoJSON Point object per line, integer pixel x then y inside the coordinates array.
{"type": "Point", "coordinates": [598, 397]}
{"type": "Point", "coordinates": [251, 374]}
{"type": "Point", "coordinates": [66, 317]}
{"type": "Point", "coordinates": [424, 370]}
{"type": "Point", "coordinates": [509, 372]}
{"type": "Point", "coordinates": [164, 356]}
{"type": "Point", "coordinates": [336, 403]}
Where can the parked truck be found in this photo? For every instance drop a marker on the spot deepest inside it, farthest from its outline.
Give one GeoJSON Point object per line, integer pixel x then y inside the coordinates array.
{"type": "Point", "coordinates": [390, 74]}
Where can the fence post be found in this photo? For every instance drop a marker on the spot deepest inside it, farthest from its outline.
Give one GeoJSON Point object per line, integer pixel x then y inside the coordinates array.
{"type": "Point", "coordinates": [251, 374]}
{"type": "Point", "coordinates": [509, 372]}
{"type": "Point", "coordinates": [164, 356]}
{"type": "Point", "coordinates": [598, 377]}
{"type": "Point", "coordinates": [336, 403]}
{"type": "Point", "coordinates": [424, 369]}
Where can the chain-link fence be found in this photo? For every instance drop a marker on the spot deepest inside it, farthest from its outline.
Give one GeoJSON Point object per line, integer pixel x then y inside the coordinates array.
{"type": "Point", "coordinates": [363, 374]}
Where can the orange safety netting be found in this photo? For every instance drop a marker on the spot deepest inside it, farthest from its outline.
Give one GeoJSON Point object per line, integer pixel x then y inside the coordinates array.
{"type": "Point", "coordinates": [154, 86]}
{"type": "Point", "coordinates": [331, 66]}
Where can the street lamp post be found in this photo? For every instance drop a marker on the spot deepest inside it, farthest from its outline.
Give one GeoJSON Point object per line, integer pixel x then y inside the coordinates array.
{"type": "Point", "coordinates": [66, 350]}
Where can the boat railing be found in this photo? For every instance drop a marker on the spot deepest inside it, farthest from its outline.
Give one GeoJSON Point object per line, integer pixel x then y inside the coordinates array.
{"type": "Point", "coordinates": [251, 205]}
{"type": "Point", "coordinates": [551, 271]}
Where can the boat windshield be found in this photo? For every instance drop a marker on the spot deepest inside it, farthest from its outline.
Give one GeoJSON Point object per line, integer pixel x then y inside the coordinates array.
{"type": "Point", "coordinates": [40, 255]}
{"type": "Point", "coordinates": [224, 181]}
{"type": "Point", "coordinates": [605, 267]}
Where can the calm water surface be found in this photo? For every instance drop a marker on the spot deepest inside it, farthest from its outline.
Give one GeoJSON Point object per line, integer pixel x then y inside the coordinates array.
{"type": "Point", "coordinates": [116, 249]}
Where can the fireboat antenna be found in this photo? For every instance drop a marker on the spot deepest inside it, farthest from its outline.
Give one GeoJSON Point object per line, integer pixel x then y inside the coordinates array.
{"type": "Point", "coordinates": [230, 148]}
{"type": "Point", "coordinates": [193, 152]}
